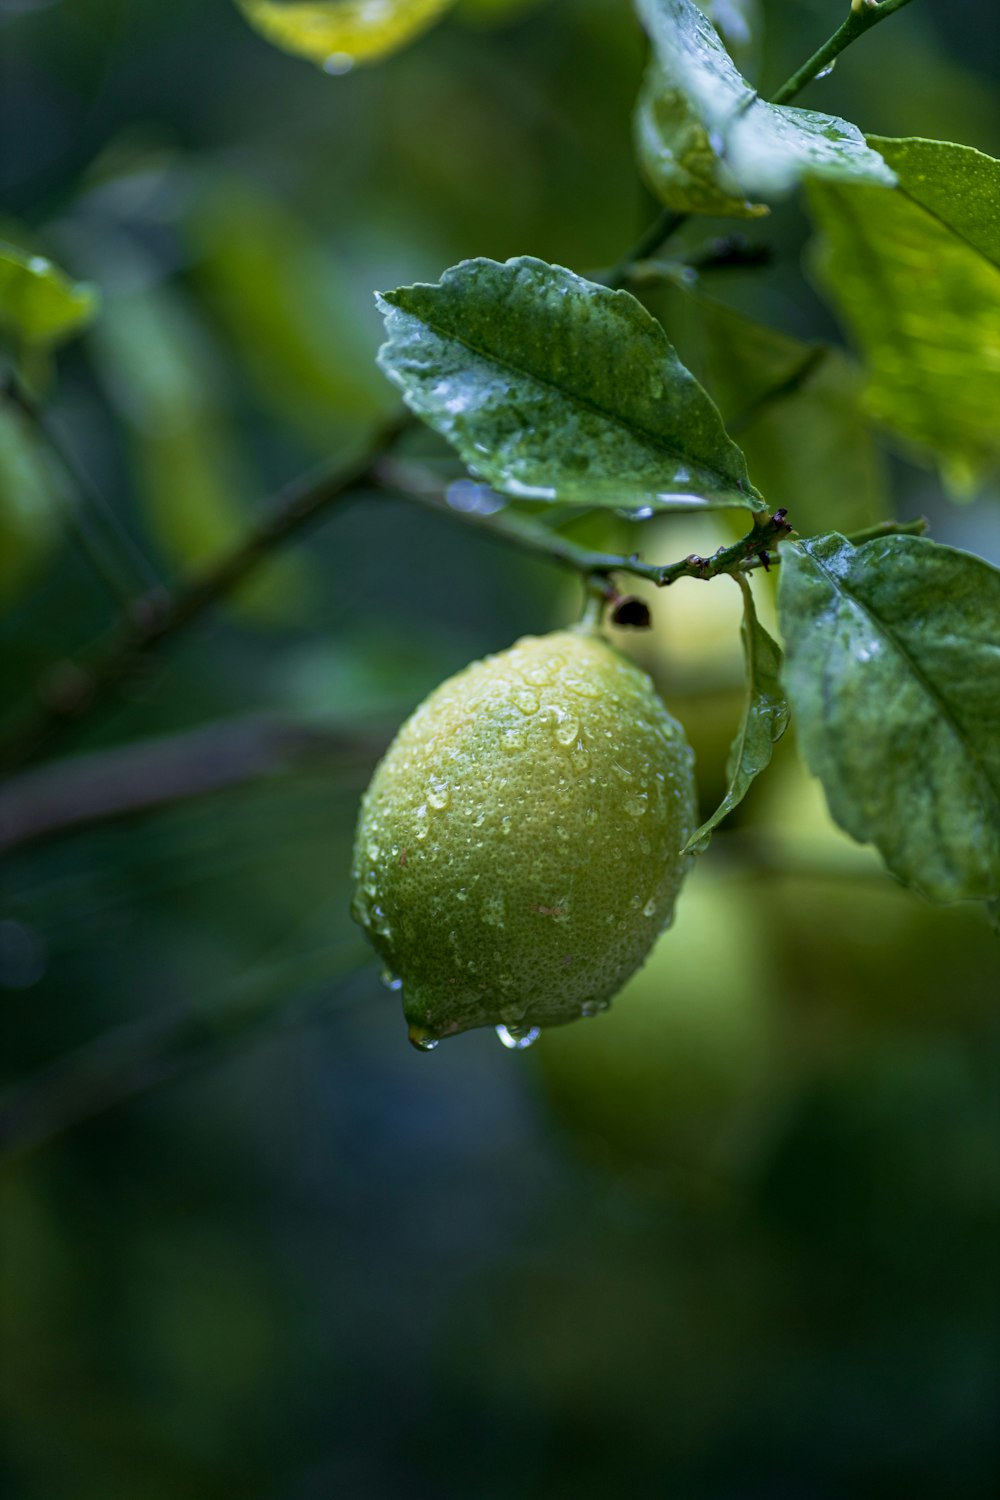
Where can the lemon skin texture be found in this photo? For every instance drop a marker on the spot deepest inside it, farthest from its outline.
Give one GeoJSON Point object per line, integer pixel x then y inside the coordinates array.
{"type": "Point", "coordinates": [518, 849]}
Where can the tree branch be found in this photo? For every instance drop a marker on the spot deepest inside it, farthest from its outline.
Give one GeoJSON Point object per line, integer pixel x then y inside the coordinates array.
{"type": "Point", "coordinates": [663, 226]}
{"type": "Point", "coordinates": [72, 689]}
{"type": "Point", "coordinates": [410, 481]}
{"type": "Point", "coordinates": [413, 482]}
{"type": "Point", "coordinates": [135, 778]}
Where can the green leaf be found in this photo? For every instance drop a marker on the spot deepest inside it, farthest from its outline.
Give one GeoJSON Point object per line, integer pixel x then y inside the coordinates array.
{"type": "Point", "coordinates": [794, 407]}
{"type": "Point", "coordinates": [916, 275]}
{"type": "Point", "coordinates": [709, 145]}
{"type": "Point", "coordinates": [39, 305]}
{"type": "Point", "coordinates": [765, 717]}
{"type": "Point", "coordinates": [306, 335]}
{"type": "Point", "coordinates": [893, 672]}
{"type": "Point", "coordinates": [957, 184]}
{"type": "Point", "coordinates": [337, 34]}
{"type": "Point", "coordinates": [554, 388]}
{"type": "Point", "coordinates": [194, 483]}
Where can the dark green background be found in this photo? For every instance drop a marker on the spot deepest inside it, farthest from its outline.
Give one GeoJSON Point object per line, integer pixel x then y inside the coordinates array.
{"type": "Point", "coordinates": [254, 1244]}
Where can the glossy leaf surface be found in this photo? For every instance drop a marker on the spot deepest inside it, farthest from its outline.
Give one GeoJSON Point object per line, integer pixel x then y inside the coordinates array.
{"type": "Point", "coordinates": [893, 672]}
{"type": "Point", "coordinates": [709, 144]}
{"type": "Point", "coordinates": [554, 388]}
{"type": "Point", "coordinates": [337, 34]}
{"type": "Point", "coordinates": [764, 721]}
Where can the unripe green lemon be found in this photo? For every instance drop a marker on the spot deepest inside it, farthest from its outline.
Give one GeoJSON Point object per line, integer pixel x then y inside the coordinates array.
{"type": "Point", "coordinates": [518, 849]}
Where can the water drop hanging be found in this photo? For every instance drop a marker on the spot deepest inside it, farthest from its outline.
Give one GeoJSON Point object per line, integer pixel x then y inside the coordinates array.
{"type": "Point", "coordinates": [517, 1038]}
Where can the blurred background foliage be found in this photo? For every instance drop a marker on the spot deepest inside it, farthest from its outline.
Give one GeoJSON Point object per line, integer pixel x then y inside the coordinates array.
{"type": "Point", "coordinates": [739, 1237]}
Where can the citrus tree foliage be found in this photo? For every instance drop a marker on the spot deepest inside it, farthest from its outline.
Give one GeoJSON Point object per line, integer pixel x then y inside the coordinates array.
{"type": "Point", "coordinates": [710, 145]}
{"type": "Point", "coordinates": [556, 389]}
{"type": "Point", "coordinates": [552, 388]}
{"type": "Point", "coordinates": [916, 273]}
{"type": "Point", "coordinates": [893, 652]}
{"type": "Point", "coordinates": [632, 391]}
{"type": "Point", "coordinates": [764, 721]}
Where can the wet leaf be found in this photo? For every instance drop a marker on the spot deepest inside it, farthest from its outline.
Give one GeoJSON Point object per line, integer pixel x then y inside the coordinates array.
{"type": "Point", "coordinates": [957, 184]}
{"type": "Point", "coordinates": [337, 34]}
{"type": "Point", "coordinates": [554, 388]}
{"type": "Point", "coordinates": [764, 721]}
{"type": "Point", "coordinates": [710, 145]}
{"type": "Point", "coordinates": [893, 672]}
{"type": "Point", "coordinates": [915, 273]}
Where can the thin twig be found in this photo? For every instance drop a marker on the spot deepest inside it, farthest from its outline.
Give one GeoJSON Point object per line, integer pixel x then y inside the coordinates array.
{"type": "Point", "coordinates": [156, 616]}
{"type": "Point", "coordinates": [864, 14]}
{"type": "Point", "coordinates": [793, 381]}
{"type": "Point", "coordinates": [663, 226]}
{"type": "Point", "coordinates": [127, 568]}
{"type": "Point", "coordinates": [888, 528]}
{"type": "Point", "coordinates": [135, 778]}
{"type": "Point", "coordinates": [410, 481]}
{"type": "Point", "coordinates": [413, 482]}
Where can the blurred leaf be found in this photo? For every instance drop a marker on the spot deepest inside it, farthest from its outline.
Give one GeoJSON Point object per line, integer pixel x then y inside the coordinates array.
{"type": "Point", "coordinates": [39, 305]}
{"type": "Point", "coordinates": [193, 479]}
{"type": "Point", "coordinates": [892, 671]}
{"type": "Point", "coordinates": [337, 34]}
{"type": "Point", "coordinates": [27, 503]}
{"type": "Point", "coordinates": [796, 409]}
{"type": "Point", "coordinates": [916, 275]}
{"type": "Point", "coordinates": [765, 718]}
{"type": "Point", "coordinates": [554, 388]}
{"type": "Point", "coordinates": [957, 184]}
{"type": "Point", "coordinates": [308, 342]}
{"type": "Point", "coordinates": [739, 23]}
{"type": "Point", "coordinates": [710, 145]}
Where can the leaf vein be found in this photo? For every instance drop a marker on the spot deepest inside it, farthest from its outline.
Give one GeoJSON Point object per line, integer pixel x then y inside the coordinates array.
{"type": "Point", "coordinates": [930, 690]}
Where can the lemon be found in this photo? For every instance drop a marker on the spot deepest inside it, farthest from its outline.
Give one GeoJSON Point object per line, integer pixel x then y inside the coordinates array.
{"type": "Point", "coordinates": [518, 849]}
